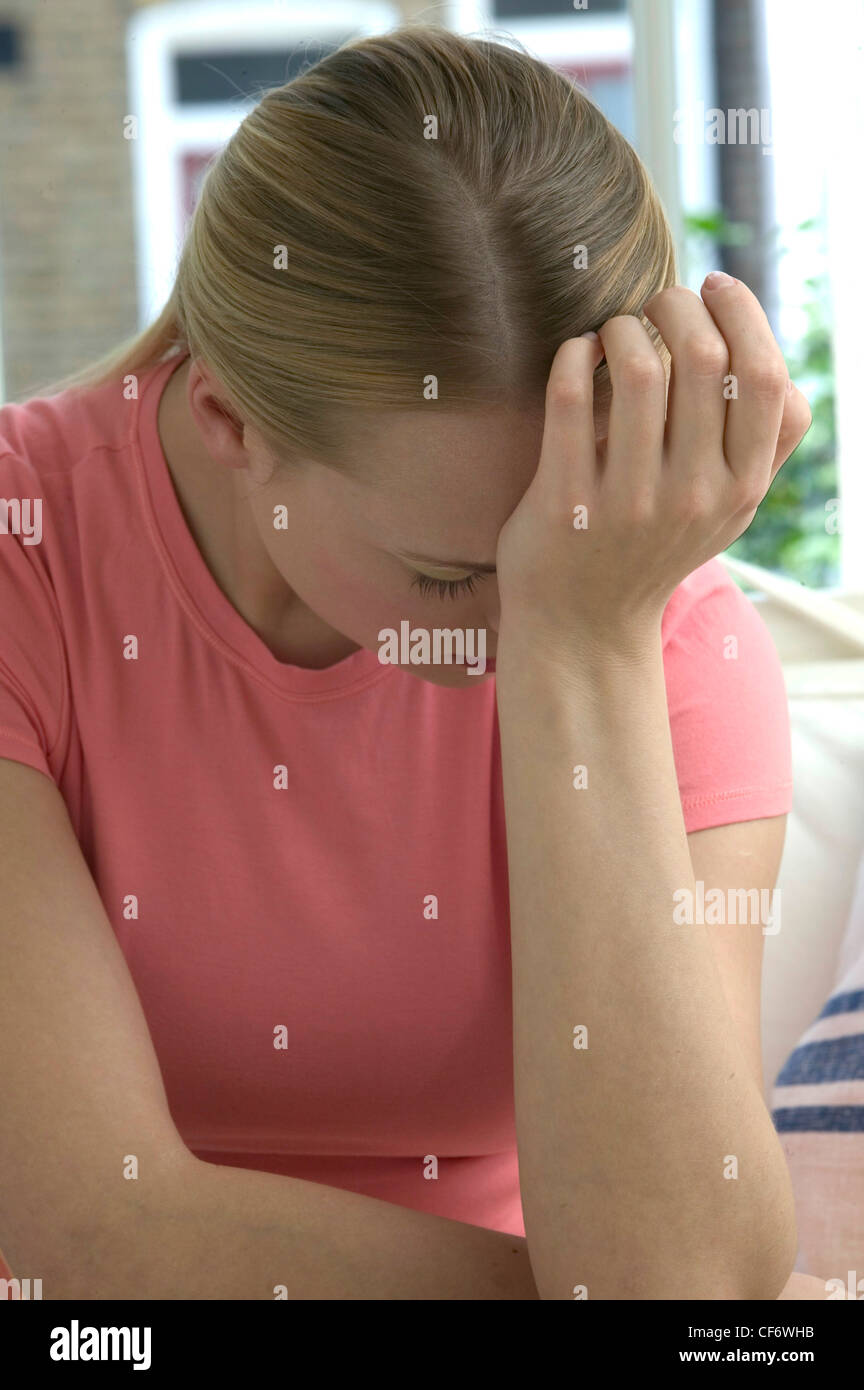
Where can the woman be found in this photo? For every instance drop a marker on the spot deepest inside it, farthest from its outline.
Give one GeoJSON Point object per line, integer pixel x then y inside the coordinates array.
{"type": "Point", "coordinates": [265, 901]}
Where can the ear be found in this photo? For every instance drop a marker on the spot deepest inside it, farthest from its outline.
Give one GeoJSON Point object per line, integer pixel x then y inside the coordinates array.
{"type": "Point", "coordinates": [222, 432]}
{"type": "Point", "coordinates": [199, 371]}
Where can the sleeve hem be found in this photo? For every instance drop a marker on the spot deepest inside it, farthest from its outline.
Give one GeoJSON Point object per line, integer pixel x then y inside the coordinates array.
{"type": "Point", "coordinates": [21, 750]}
{"type": "Point", "coordinates": [737, 804]}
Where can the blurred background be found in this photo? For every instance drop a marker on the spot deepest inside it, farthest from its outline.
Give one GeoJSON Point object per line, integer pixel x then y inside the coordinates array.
{"type": "Point", "coordinates": [748, 113]}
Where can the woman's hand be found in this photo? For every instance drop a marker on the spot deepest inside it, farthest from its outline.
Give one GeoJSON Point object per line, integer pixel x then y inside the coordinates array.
{"type": "Point", "coordinates": [672, 485]}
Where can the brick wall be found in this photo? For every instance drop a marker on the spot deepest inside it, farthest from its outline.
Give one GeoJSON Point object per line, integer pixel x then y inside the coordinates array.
{"type": "Point", "coordinates": [66, 218]}
{"type": "Point", "coordinates": [67, 244]}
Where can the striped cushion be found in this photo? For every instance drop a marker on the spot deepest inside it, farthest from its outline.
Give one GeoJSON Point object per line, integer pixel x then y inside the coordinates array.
{"type": "Point", "coordinates": [818, 1111]}
{"type": "Point", "coordinates": [821, 1087]}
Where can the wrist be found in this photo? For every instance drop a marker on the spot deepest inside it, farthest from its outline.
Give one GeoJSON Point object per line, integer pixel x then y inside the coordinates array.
{"type": "Point", "coordinates": [528, 654]}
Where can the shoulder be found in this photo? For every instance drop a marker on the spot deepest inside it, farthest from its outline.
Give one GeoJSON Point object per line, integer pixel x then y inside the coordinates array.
{"type": "Point", "coordinates": [708, 598]}
{"type": "Point", "coordinates": [728, 709]}
{"type": "Point", "coordinates": [52, 435]}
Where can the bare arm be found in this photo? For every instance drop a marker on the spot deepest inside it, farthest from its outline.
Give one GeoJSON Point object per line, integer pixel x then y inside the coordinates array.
{"type": "Point", "coordinates": [624, 1145]}
{"type": "Point", "coordinates": [649, 1165]}
{"type": "Point", "coordinates": [746, 856]}
{"type": "Point", "coordinates": [215, 1232]}
{"type": "Point", "coordinates": [81, 1090]}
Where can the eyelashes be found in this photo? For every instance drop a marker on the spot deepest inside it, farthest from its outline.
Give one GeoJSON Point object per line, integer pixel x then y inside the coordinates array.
{"type": "Point", "coordinates": [445, 588]}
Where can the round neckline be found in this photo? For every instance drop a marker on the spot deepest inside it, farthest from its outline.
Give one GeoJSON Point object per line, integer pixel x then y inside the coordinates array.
{"type": "Point", "coordinates": [196, 588]}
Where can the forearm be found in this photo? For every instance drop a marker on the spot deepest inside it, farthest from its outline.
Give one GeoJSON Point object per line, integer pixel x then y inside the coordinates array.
{"type": "Point", "coordinates": [623, 1145]}
{"type": "Point", "coordinates": [216, 1232]}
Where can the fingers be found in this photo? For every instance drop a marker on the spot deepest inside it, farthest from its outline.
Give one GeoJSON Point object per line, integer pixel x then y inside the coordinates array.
{"type": "Point", "coordinates": [637, 414]}
{"type": "Point", "coordinates": [569, 450]}
{"type": "Point", "coordinates": [759, 380]}
{"type": "Point", "coordinates": [727, 398]}
{"type": "Point", "coordinates": [797, 419]}
{"type": "Point", "coordinates": [696, 408]}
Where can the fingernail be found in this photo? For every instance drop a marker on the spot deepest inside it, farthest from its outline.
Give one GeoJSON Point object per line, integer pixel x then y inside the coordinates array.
{"type": "Point", "coordinates": [717, 280]}
{"type": "Point", "coordinates": [789, 386]}
{"type": "Point", "coordinates": [592, 335]}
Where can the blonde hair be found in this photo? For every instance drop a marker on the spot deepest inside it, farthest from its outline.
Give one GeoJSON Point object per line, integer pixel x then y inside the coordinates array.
{"type": "Point", "coordinates": [338, 257]}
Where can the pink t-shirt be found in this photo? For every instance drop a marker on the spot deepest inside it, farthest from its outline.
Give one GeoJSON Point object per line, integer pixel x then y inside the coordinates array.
{"type": "Point", "coordinates": [256, 909]}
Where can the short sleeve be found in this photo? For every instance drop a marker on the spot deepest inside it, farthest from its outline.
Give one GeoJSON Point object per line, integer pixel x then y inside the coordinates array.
{"type": "Point", "coordinates": [32, 666]}
{"type": "Point", "coordinates": [728, 709]}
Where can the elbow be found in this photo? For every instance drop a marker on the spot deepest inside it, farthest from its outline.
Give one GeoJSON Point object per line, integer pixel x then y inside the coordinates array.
{"type": "Point", "coordinates": [782, 1237]}
{"type": "Point", "coordinates": [755, 1267]}
{"type": "Point", "coordinates": [102, 1246]}
{"type": "Point", "coordinates": [762, 1270]}
{"type": "Point", "coordinates": [775, 1273]}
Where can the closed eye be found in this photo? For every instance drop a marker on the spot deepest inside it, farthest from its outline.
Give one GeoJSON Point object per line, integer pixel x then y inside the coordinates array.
{"type": "Point", "coordinates": [445, 587]}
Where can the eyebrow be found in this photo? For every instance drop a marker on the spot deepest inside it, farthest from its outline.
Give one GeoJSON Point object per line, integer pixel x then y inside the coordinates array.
{"type": "Point", "coordinates": [449, 564]}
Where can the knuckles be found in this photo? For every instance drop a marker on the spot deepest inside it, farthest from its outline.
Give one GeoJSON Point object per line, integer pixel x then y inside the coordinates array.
{"type": "Point", "coordinates": [639, 373]}
{"type": "Point", "coordinates": [640, 511]}
{"type": "Point", "coordinates": [765, 381]}
{"type": "Point", "coordinates": [697, 503]}
{"type": "Point", "coordinates": [568, 394]}
{"type": "Point", "coordinates": [748, 496]}
{"type": "Point", "coordinates": [797, 419]}
{"type": "Point", "coordinates": [670, 295]}
{"type": "Point", "coordinates": [703, 355]}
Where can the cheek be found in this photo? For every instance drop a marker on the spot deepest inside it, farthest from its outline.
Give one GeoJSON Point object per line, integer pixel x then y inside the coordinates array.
{"type": "Point", "coordinates": [349, 582]}
{"type": "Point", "coordinates": [358, 590]}
{"type": "Point", "coordinates": [362, 595]}
{"type": "Point", "coordinates": [343, 583]}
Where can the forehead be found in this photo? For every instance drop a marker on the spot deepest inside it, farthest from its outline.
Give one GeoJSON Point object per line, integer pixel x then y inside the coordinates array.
{"type": "Point", "coordinates": [446, 464]}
